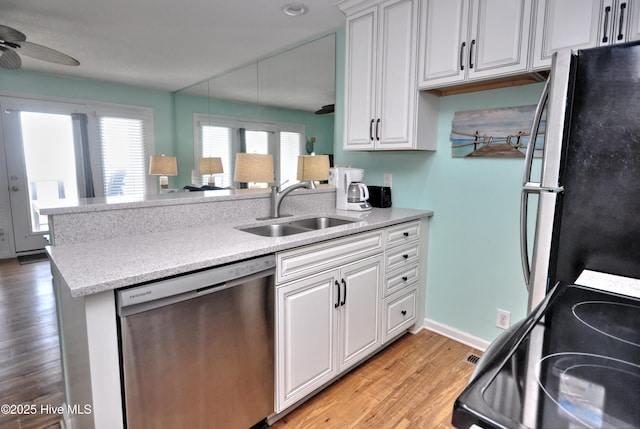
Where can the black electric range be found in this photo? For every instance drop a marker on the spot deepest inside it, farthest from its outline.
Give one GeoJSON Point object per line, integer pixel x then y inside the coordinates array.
{"type": "Point", "coordinates": [573, 363]}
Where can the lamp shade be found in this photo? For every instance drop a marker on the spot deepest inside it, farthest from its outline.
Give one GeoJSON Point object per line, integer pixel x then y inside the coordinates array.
{"type": "Point", "coordinates": [254, 167]}
{"type": "Point", "coordinates": [211, 166]}
{"type": "Point", "coordinates": [313, 167]}
{"type": "Point", "coordinates": [161, 165]}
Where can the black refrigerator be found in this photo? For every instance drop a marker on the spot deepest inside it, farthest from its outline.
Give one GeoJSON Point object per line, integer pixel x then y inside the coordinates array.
{"type": "Point", "coordinates": [574, 362]}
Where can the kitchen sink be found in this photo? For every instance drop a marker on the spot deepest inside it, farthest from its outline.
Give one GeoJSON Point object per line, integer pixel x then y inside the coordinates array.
{"type": "Point", "coordinates": [296, 226]}
{"type": "Point", "coordinates": [320, 222]}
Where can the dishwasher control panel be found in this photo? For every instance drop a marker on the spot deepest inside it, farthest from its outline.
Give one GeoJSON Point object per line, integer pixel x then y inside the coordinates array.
{"type": "Point", "coordinates": [190, 284]}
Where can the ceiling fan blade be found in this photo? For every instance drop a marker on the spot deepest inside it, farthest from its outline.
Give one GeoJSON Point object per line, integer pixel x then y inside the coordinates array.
{"type": "Point", "coordinates": [46, 54]}
{"type": "Point", "coordinates": [9, 59]}
{"type": "Point", "coordinates": [9, 34]}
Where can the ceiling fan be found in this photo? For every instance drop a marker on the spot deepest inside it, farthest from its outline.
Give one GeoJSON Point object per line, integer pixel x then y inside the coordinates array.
{"type": "Point", "coordinates": [14, 42]}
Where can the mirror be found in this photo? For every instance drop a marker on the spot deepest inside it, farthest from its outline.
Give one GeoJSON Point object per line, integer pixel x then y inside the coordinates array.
{"type": "Point", "coordinates": [285, 88]}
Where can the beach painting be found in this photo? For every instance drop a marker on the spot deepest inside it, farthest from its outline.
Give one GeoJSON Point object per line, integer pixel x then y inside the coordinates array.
{"type": "Point", "coordinates": [495, 133]}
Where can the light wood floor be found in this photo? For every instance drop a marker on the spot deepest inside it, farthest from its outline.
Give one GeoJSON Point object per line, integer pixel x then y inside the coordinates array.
{"type": "Point", "coordinates": [30, 372]}
{"type": "Point", "coordinates": [411, 384]}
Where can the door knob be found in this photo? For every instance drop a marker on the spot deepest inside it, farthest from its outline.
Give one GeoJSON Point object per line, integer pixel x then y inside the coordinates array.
{"type": "Point", "coordinates": [15, 188]}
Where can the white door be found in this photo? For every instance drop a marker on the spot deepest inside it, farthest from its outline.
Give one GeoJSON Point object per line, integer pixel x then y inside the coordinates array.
{"type": "Point", "coordinates": [499, 37]}
{"type": "Point", "coordinates": [360, 307]}
{"type": "Point", "coordinates": [396, 93]}
{"type": "Point", "coordinates": [564, 24]}
{"type": "Point", "coordinates": [305, 337]}
{"type": "Point", "coordinates": [443, 42]}
{"type": "Point", "coordinates": [39, 140]}
{"type": "Point", "coordinates": [360, 79]}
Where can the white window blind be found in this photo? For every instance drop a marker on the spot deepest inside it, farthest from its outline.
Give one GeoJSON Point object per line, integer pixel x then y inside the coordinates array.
{"type": "Point", "coordinates": [216, 142]}
{"type": "Point", "coordinates": [290, 143]}
{"type": "Point", "coordinates": [124, 153]}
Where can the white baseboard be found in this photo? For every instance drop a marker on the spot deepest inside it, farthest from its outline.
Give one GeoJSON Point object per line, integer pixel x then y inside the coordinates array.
{"type": "Point", "coordinates": [456, 334]}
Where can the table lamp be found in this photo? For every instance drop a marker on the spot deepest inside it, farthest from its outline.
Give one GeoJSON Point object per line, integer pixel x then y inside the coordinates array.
{"type": "Point", "coordinates": [163, 166]}
{"type": "Point", "coordinates": [254, 167]}
{"type": "Point", "coordinates": [211, 166]}
{"type": "Point", "coordinates": [313, 168]}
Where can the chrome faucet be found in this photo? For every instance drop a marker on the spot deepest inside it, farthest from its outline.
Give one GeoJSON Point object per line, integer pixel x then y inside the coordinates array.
{"type": "Point", "coordinates": [277, 196]}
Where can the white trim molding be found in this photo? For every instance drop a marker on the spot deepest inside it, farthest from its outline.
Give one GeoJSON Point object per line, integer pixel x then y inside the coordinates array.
{"type": "Point", "coordinates": [456, 334]}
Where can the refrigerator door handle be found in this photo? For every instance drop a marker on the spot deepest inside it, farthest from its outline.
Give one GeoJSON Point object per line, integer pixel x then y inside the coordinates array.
{"type": "Point", "coordinates": [529, 187]}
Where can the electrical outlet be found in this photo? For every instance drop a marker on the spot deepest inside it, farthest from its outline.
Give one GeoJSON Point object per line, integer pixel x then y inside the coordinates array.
{"type": "Point", "coordinates": [386, 179]}
{"type": "Point", "coordinates": [503, 318]}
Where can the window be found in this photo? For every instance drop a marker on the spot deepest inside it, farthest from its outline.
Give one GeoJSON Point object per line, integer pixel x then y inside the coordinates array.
{"type": "Point", "coordinates": [216, 142]}
{"type": "Point", "coordinates": [125, 145]}
{"type": "Point", "coordinates": [218, 136]}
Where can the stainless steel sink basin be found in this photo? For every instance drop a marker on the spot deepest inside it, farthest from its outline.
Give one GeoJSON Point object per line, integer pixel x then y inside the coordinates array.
{"type": "Point", "coordinates": [275, 230]}
{"type": "Point", "coordinates": [320, 222]}
{"type": "Point", "coordinates": [296, 226]}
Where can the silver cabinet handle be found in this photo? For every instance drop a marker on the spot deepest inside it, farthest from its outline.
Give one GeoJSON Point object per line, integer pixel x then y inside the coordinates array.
{"type": "Point", "coordinates": [526, 184]}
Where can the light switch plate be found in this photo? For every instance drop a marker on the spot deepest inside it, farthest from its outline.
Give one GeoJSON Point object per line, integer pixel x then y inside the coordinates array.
{"type": "Point", "coordinates": [386, 179]}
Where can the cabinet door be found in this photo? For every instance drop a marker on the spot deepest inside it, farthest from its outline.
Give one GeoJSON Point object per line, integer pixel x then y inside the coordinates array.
{"type": "Point", "coordinates": [305, 337]}
{"type": "Point", "coordinates": [618, 21]}
{"type": "Point", "coordinates": [360, 79]}
{"type": "Point", "coordinates": [499, 38]}
{"type": "Point", "coordinates": [396, 99]}
{"type": "Point", "coordinates": [360, 310]}
{"type": "Point", "coordinates": [634, 22]}
{"type": "Point", "coordinates": [443, 48]}
{"type": "Point", "coordinates": [565, 24]}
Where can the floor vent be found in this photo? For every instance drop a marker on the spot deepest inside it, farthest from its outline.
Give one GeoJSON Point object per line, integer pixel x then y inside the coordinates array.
{"type": "Point", "coordinates": [472, 359]}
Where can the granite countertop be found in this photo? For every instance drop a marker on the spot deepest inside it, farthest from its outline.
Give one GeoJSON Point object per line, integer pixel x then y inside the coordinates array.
{"type": "Point", "coordinates": [89, 268]}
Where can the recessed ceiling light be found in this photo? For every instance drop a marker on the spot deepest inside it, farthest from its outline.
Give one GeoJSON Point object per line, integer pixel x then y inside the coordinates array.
{"type": "Point", "coordinates": [294, 9]}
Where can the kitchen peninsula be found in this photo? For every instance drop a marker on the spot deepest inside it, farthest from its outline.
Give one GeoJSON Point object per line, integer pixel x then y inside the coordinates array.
{"type": "Point", "coordinates": [99, 246]}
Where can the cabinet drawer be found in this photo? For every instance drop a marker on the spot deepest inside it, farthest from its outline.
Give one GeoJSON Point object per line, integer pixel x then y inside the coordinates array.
{"type": "Point", "coordinates": [402, 257]}
{"type": "Point", "coordinates": [403, 233]}
{"type": "Point", "coordinates": [400, 279]}
{"type": "Point", "coordinates": [304, 261]}
{"type": "Point", "coordinates": [400, 314]}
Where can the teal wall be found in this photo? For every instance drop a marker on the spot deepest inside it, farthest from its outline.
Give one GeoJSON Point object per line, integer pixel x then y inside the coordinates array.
{"type": "Point", "coordinates": [22, 83]}
{"type": "Point", "coordinates": [474, 261]}
{"type": "Point", "coordinates": [171, 136]}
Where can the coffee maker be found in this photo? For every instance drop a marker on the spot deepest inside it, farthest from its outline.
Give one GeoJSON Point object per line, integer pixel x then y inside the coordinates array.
{"type": "Point", "coordinates": [351, 193]}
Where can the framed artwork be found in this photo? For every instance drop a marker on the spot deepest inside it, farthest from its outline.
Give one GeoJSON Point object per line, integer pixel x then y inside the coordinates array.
{"type": "Point", "coordinates": [495, 133]}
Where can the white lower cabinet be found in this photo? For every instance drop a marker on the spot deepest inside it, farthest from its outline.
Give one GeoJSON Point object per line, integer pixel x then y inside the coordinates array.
{"type": "Point", "coordinates": [326, 323]}
{"type": "Point", "coordinates": [339, 301]}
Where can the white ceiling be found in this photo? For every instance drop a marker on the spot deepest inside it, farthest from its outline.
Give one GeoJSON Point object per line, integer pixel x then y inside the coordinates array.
{"type": "Point", "coordinates": [162, 44]}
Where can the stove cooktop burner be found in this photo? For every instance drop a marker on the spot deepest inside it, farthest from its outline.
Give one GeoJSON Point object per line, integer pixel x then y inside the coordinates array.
{"type": "Point", "coordinates": [574, 363]}
{"type": "Point", "coordinates": [613, 319]}
{"type": "Point", "coordinates": [586, 387]}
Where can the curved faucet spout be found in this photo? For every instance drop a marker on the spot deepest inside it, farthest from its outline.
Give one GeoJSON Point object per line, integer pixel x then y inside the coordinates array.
{"type": "Point", "coordinates": [277, 196]}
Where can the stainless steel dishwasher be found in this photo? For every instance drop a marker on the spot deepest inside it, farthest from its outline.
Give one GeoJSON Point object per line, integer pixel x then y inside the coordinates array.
{"type": "Point", "coordinates": [197, 350]}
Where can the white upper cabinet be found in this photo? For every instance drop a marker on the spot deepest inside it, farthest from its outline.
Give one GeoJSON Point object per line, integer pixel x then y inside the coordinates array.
{"type": "Point", "coordinates": [360, 85]}
{"type": "Point", "coordinates": [575, 24]}
{"type": "Point", "coordinates": [634, 22]}
{"type": "Point", "coordinates": [382, 103]}
{"type": "Point", "coordinates": [465, 40]}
